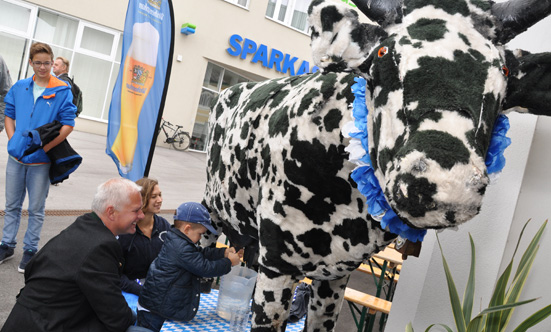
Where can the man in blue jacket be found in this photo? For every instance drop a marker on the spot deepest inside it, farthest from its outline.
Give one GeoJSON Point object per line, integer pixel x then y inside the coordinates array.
{"type": "Point", "coordinates": [31, 103]}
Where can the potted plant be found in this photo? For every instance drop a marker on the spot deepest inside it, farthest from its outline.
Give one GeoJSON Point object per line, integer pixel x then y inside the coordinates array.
{"type": "Point", "coordinates": [504, 299]}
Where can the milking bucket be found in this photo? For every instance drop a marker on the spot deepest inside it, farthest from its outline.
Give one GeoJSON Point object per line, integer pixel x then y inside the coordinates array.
{"type": "Point", "coordinates": [236, 289]}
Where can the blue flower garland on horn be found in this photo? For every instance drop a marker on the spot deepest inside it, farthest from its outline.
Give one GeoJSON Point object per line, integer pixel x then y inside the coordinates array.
{"type": "Point", "coordinates": [364, 174]}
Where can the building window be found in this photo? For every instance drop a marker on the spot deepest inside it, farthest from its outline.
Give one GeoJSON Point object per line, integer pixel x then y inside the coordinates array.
{"type": "Point", "coordinates": [216, 80]}
{"type": "Point", "coordinates": [93, 51]}
{"type": "Point", "coordinates": [240, 3]}
{"type": "Point", "coordinates": [293, 13]}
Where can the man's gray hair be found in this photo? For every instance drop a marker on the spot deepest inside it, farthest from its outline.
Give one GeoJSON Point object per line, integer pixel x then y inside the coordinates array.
{"type": "Point", "coordinates": [114, 192]}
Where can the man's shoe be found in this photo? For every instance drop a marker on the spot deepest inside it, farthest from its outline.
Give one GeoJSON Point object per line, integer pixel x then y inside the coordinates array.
{"type": "Point", "coordinates": [27, 255]}
{"type": "Point", "coordinates": [6, 253]}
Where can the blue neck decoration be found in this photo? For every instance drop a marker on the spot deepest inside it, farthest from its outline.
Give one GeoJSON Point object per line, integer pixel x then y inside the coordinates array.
{"type": "Point", "coordinates": [368, 185]}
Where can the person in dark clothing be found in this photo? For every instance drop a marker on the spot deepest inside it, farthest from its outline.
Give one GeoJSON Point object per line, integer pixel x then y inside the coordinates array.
{"type": "Point", "coordinates": [61, 70]}
{"type": "Point", "coordinates": [73, 282]}
{"type": "Point", "coordinates": [5, 85]}
{"type": "Point", "coordinates": [172, 286]}
{"type": "Point", "coordinates": [141, 248]}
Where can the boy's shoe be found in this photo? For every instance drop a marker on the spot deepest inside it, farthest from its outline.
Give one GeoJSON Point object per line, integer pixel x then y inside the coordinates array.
{"type": "Point", "coordinates": [27, 255]}
{"type": "Point", "coordinates": [6, 253]}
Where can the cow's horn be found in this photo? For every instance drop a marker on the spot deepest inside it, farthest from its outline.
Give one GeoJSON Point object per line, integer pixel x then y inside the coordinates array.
{"type": "Point", "coordinates": [384, 12]}
{"type": "Point", "coordinates": [515, 17]}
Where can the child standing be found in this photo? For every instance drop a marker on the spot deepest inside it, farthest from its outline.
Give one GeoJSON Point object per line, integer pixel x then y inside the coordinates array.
{"type": "Point", "coordinates": [172, 286]}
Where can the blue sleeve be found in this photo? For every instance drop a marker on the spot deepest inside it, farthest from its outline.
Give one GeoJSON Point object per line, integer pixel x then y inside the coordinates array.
{"type": "Point", "coordinates": [194, 261]}
{"type": "Point", "coordinates": [213, 253]}
{"type": "Point", "coordinates": [67, 112]}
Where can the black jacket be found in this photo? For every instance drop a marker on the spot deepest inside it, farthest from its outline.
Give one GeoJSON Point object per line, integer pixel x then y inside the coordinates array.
{"type": "Point", "coordinates": [64, 159]}
{"type": "Point", "coordinates": [172, 287]}
{"type": "Point", "coordinates": [73, 284]}
{"type": "Point", "coordinates": [139, 251]}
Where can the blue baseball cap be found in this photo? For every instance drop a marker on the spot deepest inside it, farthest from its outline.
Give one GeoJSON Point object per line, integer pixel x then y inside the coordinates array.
{"type": "Point", "coordinates": [195, 213]}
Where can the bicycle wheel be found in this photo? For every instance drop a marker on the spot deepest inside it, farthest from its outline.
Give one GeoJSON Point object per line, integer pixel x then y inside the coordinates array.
{"type": "Point", "coordinates": [181, 141]}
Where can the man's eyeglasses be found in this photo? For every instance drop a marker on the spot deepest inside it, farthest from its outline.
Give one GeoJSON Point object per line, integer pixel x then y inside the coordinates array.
{"type": "Point", "coordinates": [40, 64]}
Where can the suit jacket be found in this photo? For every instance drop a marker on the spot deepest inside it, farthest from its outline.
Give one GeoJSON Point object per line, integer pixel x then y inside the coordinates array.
{"type": "Point", "coordinates": [73, 283]}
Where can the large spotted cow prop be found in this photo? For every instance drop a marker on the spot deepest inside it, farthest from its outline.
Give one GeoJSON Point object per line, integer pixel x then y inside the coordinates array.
{"type": "Point", "coordinates": [437, 78]}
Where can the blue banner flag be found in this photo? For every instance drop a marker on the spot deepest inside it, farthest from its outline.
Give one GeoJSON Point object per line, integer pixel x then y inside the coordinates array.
{"type": "Point", "coordinates": [139, 93]}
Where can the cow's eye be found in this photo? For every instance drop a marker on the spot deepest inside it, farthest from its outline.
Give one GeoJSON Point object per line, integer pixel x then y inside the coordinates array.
{"type": "Point", "coordinates": [505, 70]}
{"type": "Point", "coordinates": [382, 51]}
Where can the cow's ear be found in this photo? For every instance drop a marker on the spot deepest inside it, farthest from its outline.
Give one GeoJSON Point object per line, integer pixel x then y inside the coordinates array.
{"type": "Point", "coordinates": [529, 83]}
{"type": "Point", "coordinates": [339, 41]}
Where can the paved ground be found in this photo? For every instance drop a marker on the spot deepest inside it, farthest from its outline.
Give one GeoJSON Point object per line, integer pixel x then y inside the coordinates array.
{"type": "Point", "coordinates": [181, 176]}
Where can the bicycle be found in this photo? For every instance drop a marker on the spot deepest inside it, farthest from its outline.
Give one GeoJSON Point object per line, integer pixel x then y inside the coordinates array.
{"type": "Point", "coordinates": [179, 139]}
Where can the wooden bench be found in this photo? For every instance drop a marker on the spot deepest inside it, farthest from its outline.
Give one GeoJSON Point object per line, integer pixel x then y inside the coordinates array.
{"type": "Point", "coordinates": [365, 268]}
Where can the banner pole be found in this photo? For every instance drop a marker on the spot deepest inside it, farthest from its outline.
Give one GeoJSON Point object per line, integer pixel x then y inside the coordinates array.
{"type": "Point", "coordinates": [165, 90]}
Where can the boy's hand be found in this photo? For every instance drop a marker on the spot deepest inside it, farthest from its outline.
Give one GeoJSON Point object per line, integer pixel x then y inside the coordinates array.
{"type": "Point", "coordinates": [240, 253]}
{"type": "Point", "coordinates": [234, 258]}
{"type": "Point", "coordinates": [228, 251]}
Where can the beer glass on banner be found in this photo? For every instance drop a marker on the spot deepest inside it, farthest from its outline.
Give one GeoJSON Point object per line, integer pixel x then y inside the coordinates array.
{"type": "Point", "coordinates": [138, 75]}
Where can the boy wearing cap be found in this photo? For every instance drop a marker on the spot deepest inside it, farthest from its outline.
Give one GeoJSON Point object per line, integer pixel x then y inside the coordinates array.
{"type": "Point", "coordinates": [172, 285]}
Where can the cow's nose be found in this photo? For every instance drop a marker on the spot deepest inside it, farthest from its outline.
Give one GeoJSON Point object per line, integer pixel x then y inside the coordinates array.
{"type": "Point", "coordinates": [414, 194]}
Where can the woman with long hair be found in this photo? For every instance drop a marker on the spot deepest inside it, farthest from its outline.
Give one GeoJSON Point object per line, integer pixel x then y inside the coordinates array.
{"type": "Point", "coordinates": [142, 247]}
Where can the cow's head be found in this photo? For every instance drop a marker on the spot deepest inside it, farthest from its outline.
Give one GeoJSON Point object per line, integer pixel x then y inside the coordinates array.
{"type": "Point", "coordinates": [437, 79]}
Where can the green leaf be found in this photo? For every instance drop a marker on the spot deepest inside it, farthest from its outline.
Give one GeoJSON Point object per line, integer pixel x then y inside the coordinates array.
{"type": "Point", "coordinates": [443, 325]}
{"type": "Point", "coordinates": [468, 296]}
{"type": "Point", "coordinates": [516, 288]}
{"type": "Point", "coordinates": [409, 328]}
{"type": "Point", "coordinates": [504, 307]}
{"type": "Point", "coordinates": [530, 248]}
{"type": "Point", "coordinates": [523, 270]}
{"type": "Point", "coordinates": [454, 297]}
{"type": "Point", "coordinates": [477, 324]}
{"type": "Point", "coordinates": [534, 319]}
{"type": "Point", "coordinates": [498, 296]}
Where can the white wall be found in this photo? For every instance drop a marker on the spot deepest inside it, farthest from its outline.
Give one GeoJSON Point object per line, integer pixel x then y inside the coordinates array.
{"type": "Point", "coordinates": [522, 192]}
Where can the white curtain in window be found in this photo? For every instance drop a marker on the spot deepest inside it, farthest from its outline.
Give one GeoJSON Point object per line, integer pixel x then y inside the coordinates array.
{"type": "Point", "coordinates": [97, 41]}
{"type": "Point", "coordinates": [283, 10]}
{"type": "Point", "coordinates": [14, 17]}
{"type": "Point", "coordinates": [271, 8]}
{"type": "Point", "coordinates": [55, 29]}
{"type": "Point", "coordinates": [91, 74]}
{"type": "Point", "coordinates": [300, 14]}
{"type": "Point", "coordinates": [13, 52]}
{"type": "Point", "coordinates": [114, 74]}
{"type": "Point", "coordinates": [242, 2]}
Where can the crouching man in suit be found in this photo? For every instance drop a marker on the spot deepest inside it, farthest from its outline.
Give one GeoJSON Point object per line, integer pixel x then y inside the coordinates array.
{"type": "Point", "coordinates": [73, 282]}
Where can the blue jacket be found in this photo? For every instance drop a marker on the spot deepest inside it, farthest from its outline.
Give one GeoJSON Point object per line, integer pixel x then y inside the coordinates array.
{"type": "Point", "coordinates": [172, 287]}
{"type": "Point", "coordinates": [56, 103]}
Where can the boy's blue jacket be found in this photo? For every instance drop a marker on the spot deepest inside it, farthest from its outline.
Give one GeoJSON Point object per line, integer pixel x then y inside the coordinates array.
{"type": "Point", "coordinates": [172, 287]}
{"type": "Point", "coordinates": [56, 103]}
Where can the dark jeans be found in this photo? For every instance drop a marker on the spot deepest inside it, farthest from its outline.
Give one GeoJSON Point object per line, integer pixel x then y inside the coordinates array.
{"type": "Point", "coordinates": [150, 320]}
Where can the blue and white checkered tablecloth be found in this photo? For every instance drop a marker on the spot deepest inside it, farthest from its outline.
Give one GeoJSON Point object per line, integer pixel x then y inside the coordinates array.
{"type": "Point", "coordinates": [206, 319]}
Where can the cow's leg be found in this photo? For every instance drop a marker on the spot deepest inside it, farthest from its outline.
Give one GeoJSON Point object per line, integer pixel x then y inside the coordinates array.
{"type": "Point", "coordinates": [272, 301]}
{"type": "Point", "coordinates": [325, 304]}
